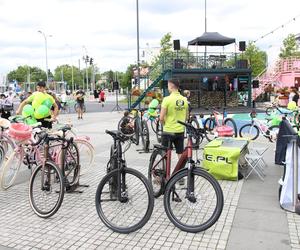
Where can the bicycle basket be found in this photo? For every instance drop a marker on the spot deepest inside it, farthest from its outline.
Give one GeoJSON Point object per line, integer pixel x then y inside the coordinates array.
{"type": "Point", "coordinates": [20, 132]}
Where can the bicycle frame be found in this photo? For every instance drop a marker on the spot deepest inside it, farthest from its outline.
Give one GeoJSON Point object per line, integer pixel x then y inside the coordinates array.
{"type": "Point", "coordinates": [186, 156]}
{"type": "Point", "coordinates": [260, 126]}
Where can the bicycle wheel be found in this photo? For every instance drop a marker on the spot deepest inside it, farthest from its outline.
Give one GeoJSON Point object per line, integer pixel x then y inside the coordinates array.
{"type": "Point", "coordinates": [127, 126]}
{"type": "Point", "coordinates": [210, 127]}
{"type": "Point", "coordinates": [194, 122]}
{"type": "Point", "coordinates": [249, 131]}
{"type": "Point", "coordinates": [10, 169]}
{"type": "Point", "coordinates": [72, 164]}
{"type": "Point", "coordinates": [2, 155]}
{"type": "Point", "coordinates": [269, 110]}
{"type": "Point", "coordinates": [231, 123]}
{"type": "Point", "coordinates": [201, 210]}
{"type": "Point", "coordinates": [159, 130]}
{"type": "Point", "coordinates": [87, 155]}
{"type": "Point", "coordinates": [137, 131]}
{"type": "Point", "coordinates": [131, 207]}
{"type": "Point", "coordinates": [145, 136]}
{"type": "Point", "coordinates": [272, 133]}
{"type": "Point", "coordinates": [157, 172]}
{"type": "Point", "coordinates": [45, 200]}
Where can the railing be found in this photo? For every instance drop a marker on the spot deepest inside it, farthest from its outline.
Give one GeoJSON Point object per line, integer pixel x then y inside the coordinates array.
{"type": "Point", "coordinates": [201, 60]}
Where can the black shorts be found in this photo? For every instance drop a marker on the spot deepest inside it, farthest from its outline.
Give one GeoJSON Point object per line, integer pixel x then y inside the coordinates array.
{"type": "Point", "coordinates": [177, 140]}
{"type": "Point", "coordinates": [80, 105]}
{"type": "Point", "coordinates": [45, 124]}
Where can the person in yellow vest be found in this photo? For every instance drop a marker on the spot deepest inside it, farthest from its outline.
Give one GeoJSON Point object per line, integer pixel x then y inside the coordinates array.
{"type": "Point", "coordinates": [174, 108]}
{"type": "Point", "coordinates": [42, 104]}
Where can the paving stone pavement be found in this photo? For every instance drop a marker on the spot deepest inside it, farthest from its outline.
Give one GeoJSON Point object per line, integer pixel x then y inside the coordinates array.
{"type": "Point", "coordinates": [77, 226]}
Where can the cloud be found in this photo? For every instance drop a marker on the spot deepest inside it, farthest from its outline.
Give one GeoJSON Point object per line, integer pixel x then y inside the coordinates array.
{"type": "Point", "coordinates": [108, 28]}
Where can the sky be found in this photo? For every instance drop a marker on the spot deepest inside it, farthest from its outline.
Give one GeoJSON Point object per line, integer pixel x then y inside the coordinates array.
{"type": "Point", "coordinates": [106, 29]}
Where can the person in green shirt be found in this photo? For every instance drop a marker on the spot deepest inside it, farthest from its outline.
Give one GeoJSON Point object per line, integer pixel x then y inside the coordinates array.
{"type": "Point", "coordinates": [174, 108]}
{"type": "Point", "coordinates": [38, 98]}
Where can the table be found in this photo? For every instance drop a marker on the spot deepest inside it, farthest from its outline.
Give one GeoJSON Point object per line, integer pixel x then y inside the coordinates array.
{"type": "Point", "coordinates": [223, 156]}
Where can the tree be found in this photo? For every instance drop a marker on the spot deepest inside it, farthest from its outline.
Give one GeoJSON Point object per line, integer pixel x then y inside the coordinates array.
{"type": "Point", "coordinates": [256, 57]}
{"type": "Point", "coordinates": [26, 73]}
{"type": "Point", "coordinates": [290, 47]}
{"type": "Point", "coordinates": [166, 49]}
{"type": "Point", "coordinates": [127, 76]}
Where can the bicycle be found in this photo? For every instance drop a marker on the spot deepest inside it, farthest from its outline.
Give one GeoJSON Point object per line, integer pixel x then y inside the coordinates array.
{"type": "Point", "coordinates": [134, 125]}
{"type": "Point", "coordinates": [50, 179]}
{"type": "Point", "coordinates": [214, 128]}
{"type": "Point", "coordinates": [119, 189]}
{"type": "Point", "coordinates": [184, 186]}
{"type": "Point", "coordinates": [253, 129]}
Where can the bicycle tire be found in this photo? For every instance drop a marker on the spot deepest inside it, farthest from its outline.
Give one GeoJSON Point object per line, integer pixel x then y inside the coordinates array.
{"type": "Point", "coordinates": [99, 200]}
{"type": "Point", "coordinates": [194, 122]}
{"type": "Point", "coordinates": [145, 136]}
{"type": "Point", "coordinates": [137, 131]}
{"type": "Point", "coordinates": [159, 173]}
{"type": "Point", "coordinates": [87, 162]}
{"type": "Point", "coordinates": [208, 179]}
{"type": "Point", "coordinates": [72, 164]}
{"type": "Point", "coordinates": [58, 179]}
{"type": "Point", "coordinates": [256, 134]}
{"type": "Point", "coordinates": [227, 121]}
{"type": "Point", "coordinates": [273, 137]}
{"type": "Point", "coordinates": [209, 127]}
{"type": "Point", "coordinates": [10, 169]}
{"type": "Point", "coordinates": [126, 126]}
{"type": "Point", "coordinates": [2, 155]}
{"type": "Point", "coordinates": [159, 130]}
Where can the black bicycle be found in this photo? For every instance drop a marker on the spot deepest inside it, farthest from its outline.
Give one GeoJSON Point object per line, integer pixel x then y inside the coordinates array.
{"type": "Point", "coordinates": [124, 198]}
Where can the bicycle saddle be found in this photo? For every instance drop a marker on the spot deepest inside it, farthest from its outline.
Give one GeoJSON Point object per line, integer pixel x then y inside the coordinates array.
{"type": "Point", "coordinates": [117, 135]}
{"type": "Point", "coordinates": [65, 128]}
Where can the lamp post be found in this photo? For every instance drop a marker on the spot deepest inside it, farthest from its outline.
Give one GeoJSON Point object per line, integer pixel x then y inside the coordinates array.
{"type": "Point", "coordinates": [72, 66]}
{"type": "Point", "coordinates": [46, 51]}
{"type": "Point", "coordinates": [86, 59]}
{"type": "Point", "coordinates": [138, 45]}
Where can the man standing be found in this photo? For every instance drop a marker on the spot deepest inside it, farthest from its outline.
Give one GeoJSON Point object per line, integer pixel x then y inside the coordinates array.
{"type": "Point", "coordinates": [174, 108]}
{"type": "Point", "coordinates": [36, 100]}
{"type": "Point", "coordinates": [79, 96]}
{"type": "Point", "coordinates": [102, 97]}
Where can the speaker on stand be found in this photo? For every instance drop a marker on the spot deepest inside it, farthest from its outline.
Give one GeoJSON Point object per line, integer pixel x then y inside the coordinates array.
{"type": "Point", "coordinates": [116, 88]}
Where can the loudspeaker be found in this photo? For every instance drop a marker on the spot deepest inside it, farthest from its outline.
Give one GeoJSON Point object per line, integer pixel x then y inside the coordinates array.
{"type": "Point", "coordinates": [115, 85]}
{"type": "Point", "coordinates": [178, 63]}
{"type": "Point", "coordinates": [176, 44]}
{"type": "Point", "coordinates": [255, 84]}
{"type": "Point", "coordinates": [242, 46]}
{"type": "Point", "coordinates": [242, 64]}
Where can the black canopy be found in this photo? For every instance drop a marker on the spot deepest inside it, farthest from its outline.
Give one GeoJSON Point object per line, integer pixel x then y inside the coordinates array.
{"type": "Point", "coordinates": [212, 39]}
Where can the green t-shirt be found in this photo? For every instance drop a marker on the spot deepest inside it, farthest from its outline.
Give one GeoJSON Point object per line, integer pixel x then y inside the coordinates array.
{"type": "Point", "coordinates": [177, 107]}
{"type": "Point", "coordinates": [38, 98]}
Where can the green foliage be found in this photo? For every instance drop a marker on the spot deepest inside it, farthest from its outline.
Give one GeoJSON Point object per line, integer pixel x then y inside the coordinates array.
{"type": "Point", "coordinates": [27, 73]}
{"type": "Point", "coordinates": [256, 57]}
{"type": "Point", "coordinates": [64, 72]}
{"type": "Point", "coordinates": [290, 47]}
{"type": "Point", "coordinates": [128, 75]}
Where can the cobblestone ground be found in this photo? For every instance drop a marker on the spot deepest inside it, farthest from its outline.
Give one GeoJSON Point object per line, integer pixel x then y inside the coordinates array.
{"type": "Point", "coordinates": [77, 226]}
{"type": "Point", "coordinates": [294, 229]}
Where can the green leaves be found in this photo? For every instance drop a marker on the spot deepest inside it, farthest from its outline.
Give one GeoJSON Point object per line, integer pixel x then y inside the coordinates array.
{"type": "Point", "coordinates": [290, 47]}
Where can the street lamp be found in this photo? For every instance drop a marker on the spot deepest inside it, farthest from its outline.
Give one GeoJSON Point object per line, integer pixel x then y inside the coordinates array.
{"type": "Point", "coordinates": [72, 66]}
{"type": "Point", "coordinates": [138, 45]}
{"type": "Point", "coordinates": [86, 59]}
{"type": "Point", "coordinates": [46, 51]}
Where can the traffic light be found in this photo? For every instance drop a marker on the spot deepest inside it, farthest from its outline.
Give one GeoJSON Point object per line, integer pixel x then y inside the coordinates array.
{"type": "Point", "coordinates": [91, 61]}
